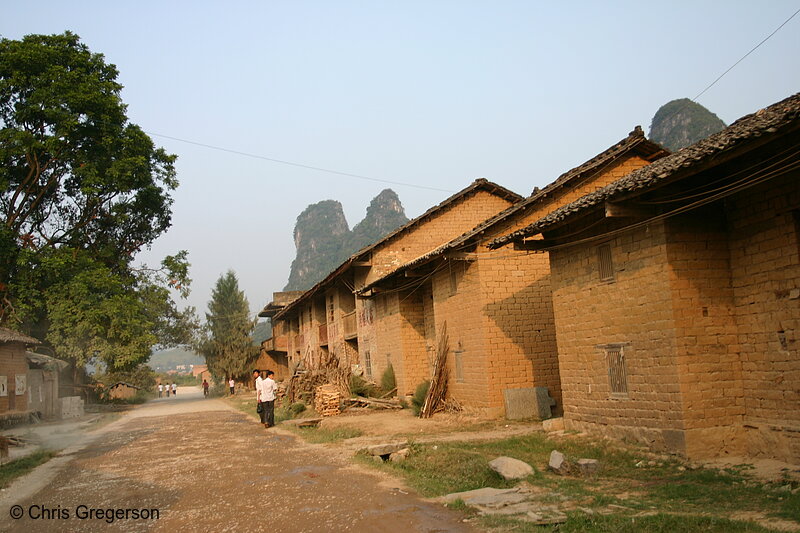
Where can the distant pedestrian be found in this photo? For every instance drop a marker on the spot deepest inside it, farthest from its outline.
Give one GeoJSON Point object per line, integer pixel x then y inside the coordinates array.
{"type": "Point", "coordinates": [267, 395]}
{"type": "Point", "coordinates": [174, 389]}
{"type": "Point", "coordinates": [160, 390]}
{"type": "Point", "coordinates": [232, 385]}
{"type": "Point", "coordinates": [205, 388]}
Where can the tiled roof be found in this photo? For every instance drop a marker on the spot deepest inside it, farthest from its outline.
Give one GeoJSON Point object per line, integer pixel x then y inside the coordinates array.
{"type": "Point", "coordinates": [634, 142]}
{"type": "Point", "coordinates": [478, 184]}
{"type": "Point", "coordinates": [772, 120]}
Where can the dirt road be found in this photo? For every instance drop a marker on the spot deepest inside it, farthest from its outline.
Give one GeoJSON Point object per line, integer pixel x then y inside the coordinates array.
{"type": "Point", "coordinates": [200, 466]}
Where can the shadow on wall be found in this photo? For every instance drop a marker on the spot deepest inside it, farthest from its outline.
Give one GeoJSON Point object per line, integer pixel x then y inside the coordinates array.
{"type": "Point", "coordinates": [528, 324]}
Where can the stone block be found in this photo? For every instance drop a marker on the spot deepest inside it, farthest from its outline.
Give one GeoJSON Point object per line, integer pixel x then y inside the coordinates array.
{"type": "Point", "coordinates": [553, 424]}
{"type": "Point", "coordinates": [385, 449]}
{"type": "Point", "coordinates": [532, 402]}
{"type": "Point", "coordinates": [71, 407]}
{"type": "Point", "coordinates": [558, 463]}
{"type": "Point", "coordinates": [588, 467]}
{"type": "Point", "coordinates": [399, 456]}
{"type": "Point", "coordinates": [510, 468]}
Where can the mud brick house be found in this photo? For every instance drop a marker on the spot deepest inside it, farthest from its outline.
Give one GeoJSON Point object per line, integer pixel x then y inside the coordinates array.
{"type": "Point", "coordinates": [328, 325]}
{"type": "Point", "coordinates": [676, 292]}
{"type": "Point", "coordinates": [274, 351]}
{"type": "Point", "coordinates": [13, 375]}
{"type": "Point", "coordinates": [496, 303]}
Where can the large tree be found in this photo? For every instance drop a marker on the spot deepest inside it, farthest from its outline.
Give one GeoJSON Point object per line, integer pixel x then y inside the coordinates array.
{"type": "Point", "coordinates": [82, 190]}
{"type": "Point", "coordinates": [227, 345]}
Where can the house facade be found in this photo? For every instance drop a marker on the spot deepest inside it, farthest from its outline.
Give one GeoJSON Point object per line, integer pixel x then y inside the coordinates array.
{"type": "Point", "coordinates": [676, 295]}
{"type": "Point", "coordinates": [496, 304]}
{"type": "Point", "coordinates": [328, 326]}
{"type": "Point", "coordinates": [14, 371]}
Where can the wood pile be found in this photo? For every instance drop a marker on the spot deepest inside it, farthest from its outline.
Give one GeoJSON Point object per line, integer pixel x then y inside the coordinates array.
{"type": "Point", "coordinates": [327, 399]}
{"type": "Point", "coordinates": [373, 403]}
{"type": "Point", "coordinates": [437, 391]}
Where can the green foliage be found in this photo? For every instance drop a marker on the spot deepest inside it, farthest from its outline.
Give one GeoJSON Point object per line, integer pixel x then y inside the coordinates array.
{"type": "Point", "coordinates": [682, 122]}
{"type": "Point", "coordinates": [388, 381]}
{"type": "Point", "coordinates": [14, 469]}
{"type": "Point", "coordinates": [418, 400]}
{"type": "Point", "coordinates": [82, 190]}
{"type": "Point", "coordinates": [297, 408]}
{"type": "Point", "coordinates": [142, 376]}
{"type": "Point", "coordinates": [226, 344]}
{"type": "Point", "coordinates": [361, 387]}
{"type": "Point", "coordinates": [320, 435]}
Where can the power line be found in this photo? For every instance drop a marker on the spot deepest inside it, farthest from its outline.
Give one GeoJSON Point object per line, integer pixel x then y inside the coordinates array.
{"type": "Point", "coordinates": [745, 56]}
{"type": "Point", "coordinates": [299, 165]}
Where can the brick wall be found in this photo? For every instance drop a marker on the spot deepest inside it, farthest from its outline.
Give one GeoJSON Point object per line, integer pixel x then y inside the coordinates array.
{"type": "Point", "coordinates": [443, 226]}
{"type": "Point", "coordinates": [518, 324]}
{"type": "Point", "coordinates": [706, 343]}
{"type": "Point", "coordinates": [12, 364]}
{"type": "Point", "coordinates": [632, 312]}
{"type": "Point", "coordinates": [765, 266]}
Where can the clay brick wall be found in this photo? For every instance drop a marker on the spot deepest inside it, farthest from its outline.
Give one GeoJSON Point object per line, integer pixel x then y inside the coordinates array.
{"type": "Point", "coordinates": [633, 311]}
{"type": "Point", "coordinates": [443, 226]}
{"type": "Point", "coordinates": [765, 265]}
{"type": "Point", "coordinates": [706, 341]}
{"type": "Point", "coordinates": [12, 364]}
{"type": "Point", "coordinates": [274, 362]}
{"type": "Point", "coordinates": [456, 299]}
{"type": "Point", "coordinates": [416, 364]}
{"type": "Point", "coordinates": [518, 324]}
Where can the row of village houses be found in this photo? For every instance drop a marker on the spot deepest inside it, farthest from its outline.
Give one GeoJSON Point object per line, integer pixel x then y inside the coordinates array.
{"type": "Point", "coordinates": [653, 296]}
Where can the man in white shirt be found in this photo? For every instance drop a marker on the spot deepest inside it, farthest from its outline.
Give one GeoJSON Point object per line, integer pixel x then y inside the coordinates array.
{"type": "Point", "coordinates": [160, 390]}
{"type": "Point", "coordinates": [267, 395]}
{"type": "Point", "coordinates": [258, 380]}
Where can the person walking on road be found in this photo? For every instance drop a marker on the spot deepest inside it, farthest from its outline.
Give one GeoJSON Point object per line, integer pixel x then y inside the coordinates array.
{"type": "Point", "coordinates": [232, 385]}
{"type": "Point", "coordinates": [205, 388]}
{"type": "Point", "coordinates": [268, 390]}
{"type": "Point", "coordinates": [259, 406]}
{"type": "Point", "coordinates": [174, 389]}
{"type": "Point", "coordinates": [160, 390]}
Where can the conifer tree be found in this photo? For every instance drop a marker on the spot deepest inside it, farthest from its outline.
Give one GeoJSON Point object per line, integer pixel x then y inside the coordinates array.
{"type": "Point", "coordinates": [227, 345]}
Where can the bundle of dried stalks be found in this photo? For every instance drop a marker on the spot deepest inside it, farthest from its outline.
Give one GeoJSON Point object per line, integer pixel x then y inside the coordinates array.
{"type": "Point", "coordinates": [303, 384]}
{"type": "Point", "coordinates": [438, 389]}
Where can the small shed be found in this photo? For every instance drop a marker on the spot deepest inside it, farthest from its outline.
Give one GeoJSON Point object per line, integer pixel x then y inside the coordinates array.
{"type": "Point", "coordinates": [43, 384]}
{"type": "Point", "coordinates": [122, 391]}
{"type": "Point", "coordinates": [14, 372]}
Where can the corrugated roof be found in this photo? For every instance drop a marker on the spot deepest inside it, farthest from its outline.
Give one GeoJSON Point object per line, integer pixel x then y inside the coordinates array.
{"type": "Point", "coordinates": [9, 335]}
{"type": "Point", "coordinates": [478, 184]}
{"type": "Point", "coordinates": [772, 120]}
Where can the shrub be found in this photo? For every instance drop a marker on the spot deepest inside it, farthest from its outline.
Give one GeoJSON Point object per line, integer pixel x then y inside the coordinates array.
{"type": "Point", "coordinates": [388, 381]}
{"type": "Point", "coordinates": [361, 387]}
{"type": "Point", "coordinates": [297, 408]}
{"type": "Point", "coordinates": [419, 397]}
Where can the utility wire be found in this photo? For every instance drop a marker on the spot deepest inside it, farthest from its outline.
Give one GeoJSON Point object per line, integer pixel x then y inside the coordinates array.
{"type": "Point", "coordinates": [299, 165]}
{"type": "Point", "coordinates": [745, 56]}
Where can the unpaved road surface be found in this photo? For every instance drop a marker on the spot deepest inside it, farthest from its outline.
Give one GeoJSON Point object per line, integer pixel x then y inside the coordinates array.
{"type": "Point", "coordinates": [206, 468]}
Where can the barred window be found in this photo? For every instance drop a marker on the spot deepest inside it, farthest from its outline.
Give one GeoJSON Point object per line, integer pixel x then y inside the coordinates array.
{"type": "Point", "coordinates": [367, 364]}
{"type": "Point", "coordinates": [459, 357]}
{"type": "Point", "coordinates": [617, 373]}
{"type": "Point", "coordinates": [604, 262]}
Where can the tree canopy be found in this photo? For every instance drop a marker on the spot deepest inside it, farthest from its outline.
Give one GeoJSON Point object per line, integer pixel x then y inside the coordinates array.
{"type": "Point", "coordinates": [227, 345]}
{"type": "Point", "coordinates": [82, 190]}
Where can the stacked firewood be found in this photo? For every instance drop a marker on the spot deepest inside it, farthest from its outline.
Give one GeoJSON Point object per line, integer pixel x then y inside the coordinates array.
{"type": "Point", "coordinates": [437, 391]}
{"type": "Point", "coordinates": [327, 399]}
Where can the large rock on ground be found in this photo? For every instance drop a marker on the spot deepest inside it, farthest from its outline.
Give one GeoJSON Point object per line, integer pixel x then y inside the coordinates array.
{"type": "Point", "coordinates": [386, 449]}
{"type": "Point", "coordinates": [487, 496]}
{"type": "Point", "coordinates": [558, 463]}
{"type": "Point", "coordinates": [588, 467]}
{"type": "Point", "coordinates": [510, 468]}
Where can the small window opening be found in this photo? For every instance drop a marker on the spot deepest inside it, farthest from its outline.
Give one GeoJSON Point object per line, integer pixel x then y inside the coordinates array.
{"type": "Point", "coordinates": [604, 262]}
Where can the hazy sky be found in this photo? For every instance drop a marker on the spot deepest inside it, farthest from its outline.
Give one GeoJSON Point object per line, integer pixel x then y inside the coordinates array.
{"type": "Point", "coordinates": [433, 93]}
